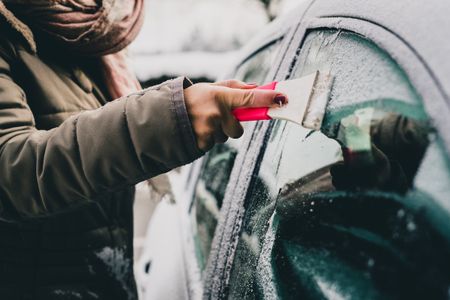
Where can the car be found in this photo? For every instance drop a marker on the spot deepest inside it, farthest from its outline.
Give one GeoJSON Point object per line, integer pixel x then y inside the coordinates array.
{"type": "Point", "coordinates": [357, 210]}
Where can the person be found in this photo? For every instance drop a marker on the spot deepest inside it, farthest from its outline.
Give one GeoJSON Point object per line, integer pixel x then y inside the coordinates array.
{"type": "Point", "coordinates": [77, 133]}
{"type": "Point", "coordinates": [390, 163]}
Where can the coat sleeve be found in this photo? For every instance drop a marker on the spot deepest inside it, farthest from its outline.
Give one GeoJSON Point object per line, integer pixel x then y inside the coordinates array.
{"type": "Point", "coordinates": [92, 153]}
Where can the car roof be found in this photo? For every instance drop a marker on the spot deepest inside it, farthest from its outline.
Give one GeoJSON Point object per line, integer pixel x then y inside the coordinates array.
{"type": "Point", "coordinates": [423, 25]}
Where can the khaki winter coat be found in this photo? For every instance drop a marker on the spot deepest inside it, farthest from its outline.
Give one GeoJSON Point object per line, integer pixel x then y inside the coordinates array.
{"type": "Point", "coordinates": [68, 164]}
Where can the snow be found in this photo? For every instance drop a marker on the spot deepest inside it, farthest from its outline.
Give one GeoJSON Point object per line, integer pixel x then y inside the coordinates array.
{"type": "Point", "coordinates": [282, 7]}
{"type": "Point", "coordinates": [193, 64]}
{"type": "Point", "coordinates": [197, 38]}
{"type": "Point", "coordinates": [198, 25]}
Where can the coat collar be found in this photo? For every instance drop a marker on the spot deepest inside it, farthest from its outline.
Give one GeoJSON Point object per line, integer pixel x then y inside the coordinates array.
{"type": "Point", "coordinates": [18, 26]}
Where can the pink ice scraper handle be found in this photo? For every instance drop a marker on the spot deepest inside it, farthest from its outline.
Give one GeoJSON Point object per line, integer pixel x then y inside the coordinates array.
{"type": "Point", "coordinates": [255, 113]}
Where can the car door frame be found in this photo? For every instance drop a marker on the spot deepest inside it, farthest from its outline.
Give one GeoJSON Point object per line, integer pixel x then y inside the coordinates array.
{"type": "Point", "coordinates": [232, 212]}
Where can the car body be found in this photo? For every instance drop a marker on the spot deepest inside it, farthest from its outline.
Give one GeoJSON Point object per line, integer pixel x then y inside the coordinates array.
{"type": "Point", "coordinates": [359, 210]}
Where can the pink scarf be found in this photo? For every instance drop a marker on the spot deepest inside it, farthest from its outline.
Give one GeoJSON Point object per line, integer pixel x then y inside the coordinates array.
{"type": "Point", "coordinates": [87, 27]}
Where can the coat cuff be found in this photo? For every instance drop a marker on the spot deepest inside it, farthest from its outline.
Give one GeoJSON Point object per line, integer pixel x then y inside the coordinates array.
{"type": "Point", "coordinates": [183, 122]}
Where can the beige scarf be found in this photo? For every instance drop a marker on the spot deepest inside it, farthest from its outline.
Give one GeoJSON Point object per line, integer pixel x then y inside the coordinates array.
{"type": "Point", "coordinates": [100, 28]}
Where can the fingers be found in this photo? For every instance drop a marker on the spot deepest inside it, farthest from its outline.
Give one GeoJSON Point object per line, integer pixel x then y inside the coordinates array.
{"type": "Point", "coordinates": [213, 133]}
{"type": "Point", "coordinates": [251, 98]}
{"type": "Point", "coordinates": [235, 84]}
{"type": "Point", "coordinates": [231, 127]}
{"type": "Point", "coordinates": [205, 130]}
{"type": "Point", "coordinates": [240, 94]}
{"type": "Point", "coordinates": [209, 107]}
{"type": "Point", "coordinates": [220, 137]}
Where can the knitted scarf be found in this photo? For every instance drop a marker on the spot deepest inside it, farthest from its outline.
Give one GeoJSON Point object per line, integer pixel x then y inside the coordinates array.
{"type": "Point", "coordinates": [100, 28]}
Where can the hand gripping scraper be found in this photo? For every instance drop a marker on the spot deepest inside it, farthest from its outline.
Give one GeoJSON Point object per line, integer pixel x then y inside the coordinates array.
{"type": "Point", "coordinates": [308, 97]}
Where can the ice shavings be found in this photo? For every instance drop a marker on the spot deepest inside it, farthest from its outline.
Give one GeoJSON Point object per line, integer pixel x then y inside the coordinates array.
{"type": "Point", "coordinates": [265, 279]}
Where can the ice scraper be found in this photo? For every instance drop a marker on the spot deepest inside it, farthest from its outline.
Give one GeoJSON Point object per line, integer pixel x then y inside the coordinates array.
{"type": "Point", "coordinates": [308, 97]}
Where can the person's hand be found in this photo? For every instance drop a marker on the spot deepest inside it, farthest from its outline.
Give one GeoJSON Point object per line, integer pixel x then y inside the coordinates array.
{"type": "Point", "coordinates": [210, 105]}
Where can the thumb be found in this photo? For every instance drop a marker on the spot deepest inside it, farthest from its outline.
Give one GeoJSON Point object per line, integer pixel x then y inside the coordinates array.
{"type": "Point", "coordinates": [253, 98]}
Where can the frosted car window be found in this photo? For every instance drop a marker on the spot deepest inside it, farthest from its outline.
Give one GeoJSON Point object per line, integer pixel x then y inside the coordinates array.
{"type": "Point", "coordinates": [217, 166]}
{"type": "Point", "coordinates": [337, 214]}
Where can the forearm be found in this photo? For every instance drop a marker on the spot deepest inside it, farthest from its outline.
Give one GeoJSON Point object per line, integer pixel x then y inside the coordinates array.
{"type": "Point", "coordinates": [96, 152]}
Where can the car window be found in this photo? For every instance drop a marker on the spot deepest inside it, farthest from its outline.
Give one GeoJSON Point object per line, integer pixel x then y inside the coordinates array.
{"type": "Point", "coordinates": [349, 212]}
{"type": "Point", "coordinates": [217, 165]}
{"type": "Point", "coordinates": [256, 67]}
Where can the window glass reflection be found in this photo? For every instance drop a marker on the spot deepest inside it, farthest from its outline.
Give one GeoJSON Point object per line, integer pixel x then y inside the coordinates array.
{"type": "Point", "coordinates": [383, 154]}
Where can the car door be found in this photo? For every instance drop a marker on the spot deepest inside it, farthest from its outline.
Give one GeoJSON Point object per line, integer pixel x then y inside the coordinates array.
{"type": "Point", "coordinates": [207, 179]}
{"type": "Point", "coordinates": [218, 164]}
{"type": "Point", "coordinates": [359, 210]}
